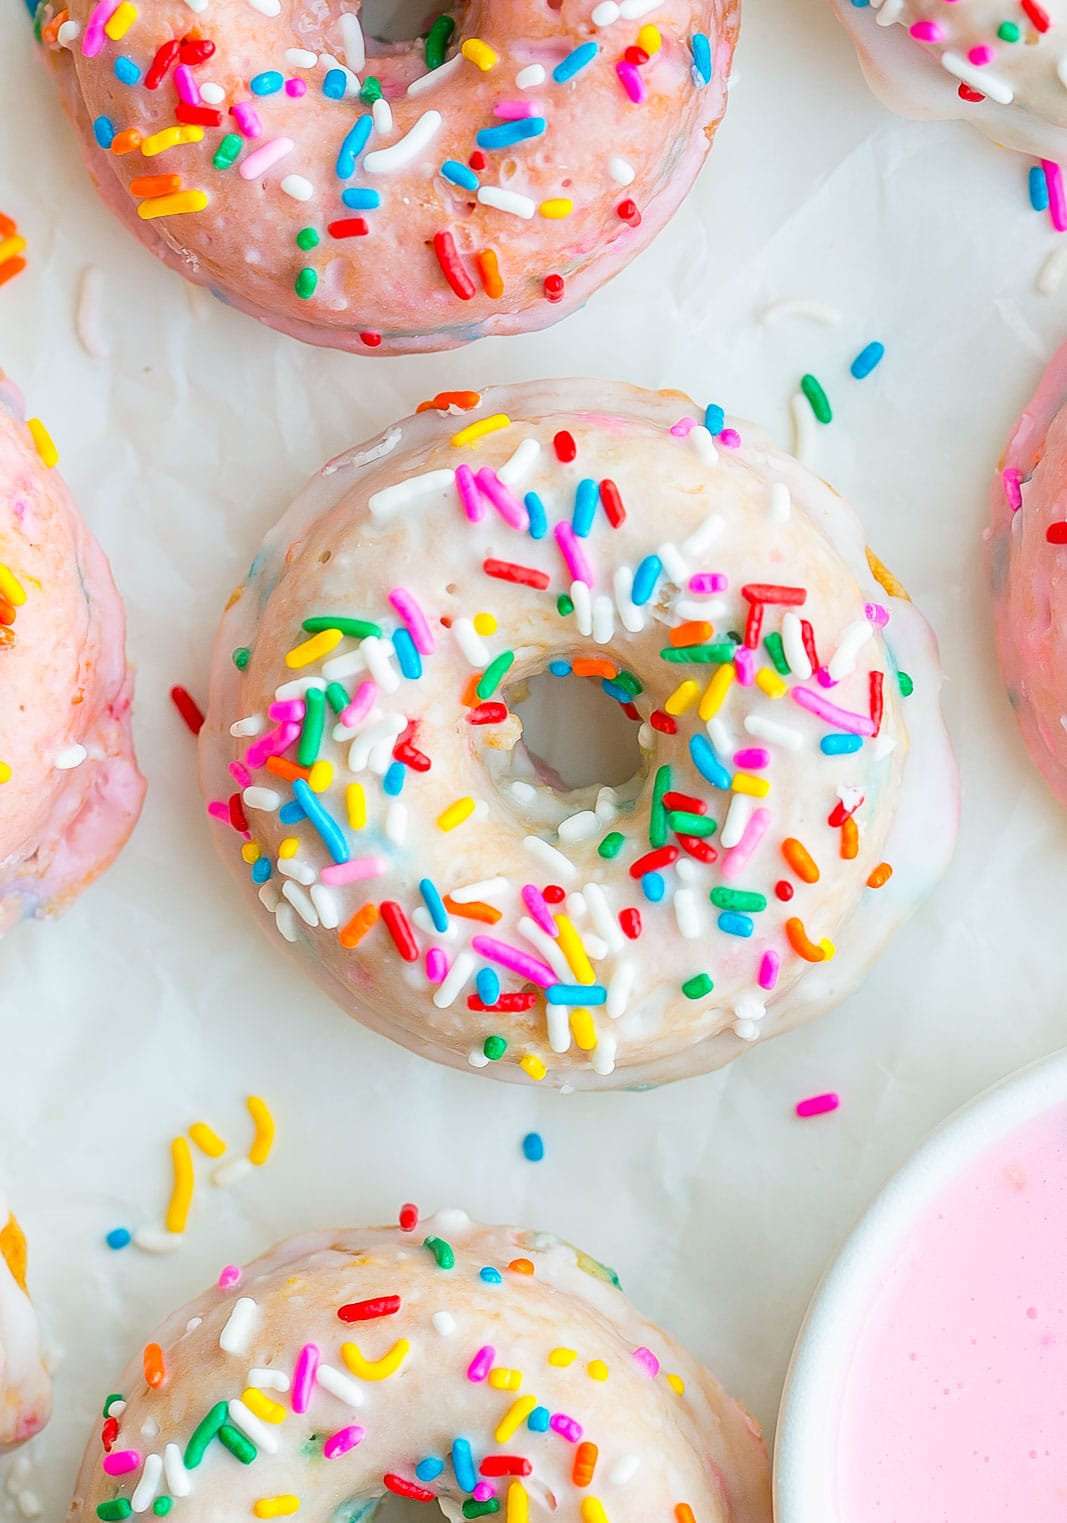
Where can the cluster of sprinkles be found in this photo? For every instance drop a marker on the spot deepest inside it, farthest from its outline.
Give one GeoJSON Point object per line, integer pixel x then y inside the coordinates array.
{"type": "Point", "coordinates": [12, 247]}
{"type": "Point", "coordinates": [499, 1474]}
{"type": "Point", "coordinates": [241, 132]}
{"type": "Point", "coordinates": [339, 752]}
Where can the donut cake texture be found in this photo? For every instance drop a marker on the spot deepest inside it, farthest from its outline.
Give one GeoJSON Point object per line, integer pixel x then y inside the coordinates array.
{"type": "Point", "coordinates": [793, 795]}
{"type": "Point", "coordinates": [1002, 67]}
{"type": "Point", "coordinates": [484, 180]}
{"type": "Point", "coordinates": [25, 1393]}
{"type": "Point", "coordinates": [490, 1370]}
{"type": "Point", "coordinates": [69, 787]}
{"type": "Point", "coordinates": [1027, 547]}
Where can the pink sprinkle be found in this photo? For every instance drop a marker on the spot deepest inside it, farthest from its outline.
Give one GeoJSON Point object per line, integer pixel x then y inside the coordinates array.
{"type": "Point", "coordinates": [631, 81]}
{"type": "Point", "coordinates": [436, 965]}
{"type": "Point", "coordinates": [926, 31]}
{"type": "Point", "coordinates": [876, 613]}
{"type": "Point", "coordinates": [408, 608]}
{"type": "Point", "coordinates": [647, 1360]}
{"type": "Point", "coordinates": [265, 158]}
{"type": "Point", "coordinates": [291, 711]}
{"type": "Point", "coordinates": [744, 665]}
{"type": "Point", "coordinates": [481, 1364]}
{"type": "Point", "coordinates": [343, 1440]}
{"type": "Point", "coordinates": [683, 428]}
{"type": "Point", "coordinates": [1013, 490]}
{"type": "Point", "coordinates": [307, 1362]}
{"type": "Point", "coordinates": [361, 705]}
{"type": "Point", "coordinates": [823, 678]}
{"type": "Point", "coordinates": [483, 1492]}
{"type": "Point", "coordinates": [354, 871]}
{"type": "Point", "coordinates": [839, 719]}
{"type": "Point", "coordinates": [708, 581]}
{"type": "Point", "coordinates": [514, 110]}
{"type": "Point", "coordinates": [1057, 203]}
{"type": "Point", "coordinates": [247, 118]}
{"type": "Point", "coordinates": [565, 1426]}
{"type": "Point", "coordinates": [503, 499]}
{"type": "Point", "coordinates": [93, 37]}
{"type": "Point", "coordinates": [573, 554]}
{"type": "Point", "coordinates": [736, 860]}
{"type": "Point", "coordinates": [121, 1462]}
{"type": "Point", "coordinates": [981, 55]}
{"type": "Point", "coordinates": [818, 1105]}
{"type": "Point", "coordinates": [469, 495]}
{"type": "Point", "coordinates": [295, 88]}
{"type": "Point", "coordinates": [240, 774]}
{"type": "Point", "coordinates": [219, 811]}
{"type": "Point", "coordinates": [536, 903]}
{"type": "Point", "coordinates": [186, 85]}
{"type": "Point", "coordinates": [729, 438]}
{"type": "Point", "coordinates": [752, 759]}
{"type": "Point", "coordinates": [229, 1277]}
{"type": "Point", "coordinates": [271, 744]}
{"type": "Point", "coordinates": [769, 965]}
{"type": "Point", "coordinates": [519, 962]}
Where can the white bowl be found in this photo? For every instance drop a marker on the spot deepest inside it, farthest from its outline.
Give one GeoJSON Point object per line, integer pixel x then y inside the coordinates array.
{"type": "Point", "coordinates": [805, 1459]}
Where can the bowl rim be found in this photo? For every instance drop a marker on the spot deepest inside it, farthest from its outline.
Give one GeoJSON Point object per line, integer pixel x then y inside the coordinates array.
{"type": "Point", "coordinates": [805, 1479]}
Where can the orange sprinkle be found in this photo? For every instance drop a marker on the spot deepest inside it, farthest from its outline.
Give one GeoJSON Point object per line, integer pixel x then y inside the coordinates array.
{"type": "Point", "coordinates": [11, 268]}
{"type": "Point", "coordinates": [352, 934]}
{"type": "Point", "coordinates": [684, 1513]}
{"type": "Point", "coordinates": [850, 839]}
{"type": "Point", "coordinates": [693, 633]}
{"type": "Point", "coordinates": [800, 860]}
{"type": "Point", "coordinates": [585, 1457]}
{"type": "Point", "coordinates": [155, 185]}
{"type": "Point", "coordinates": [521, 1266]}
{"type": "Point", "coordinates": [125, 142]}
{"type": "Point", "coordinates": [470, 699]}
{"type": "Point", "coordinates": [589, 666]}
{"type": "Point", "coordinates": [464, 400]}
{"type": "Point", "coordinates": [801, 942]}
{"type": "Point", "coordinates": [154, 1370]}
{"type": "Point", "coordinates": [8, 226]}
{"type": "Point", "coordinates": [50, 33]}
{"type": "Point", "coordinates": [880, 876]}
{"type": "Point", "coordinates": [474, 910]}
{"type": "Point", "coordinates": [8, 638]}
{"type": "Point", "coordinates": [489, 270]}
{"type": "Point", "coordinates": [7, 612]}
{"type": "Point", "coordinates": [287, 769]}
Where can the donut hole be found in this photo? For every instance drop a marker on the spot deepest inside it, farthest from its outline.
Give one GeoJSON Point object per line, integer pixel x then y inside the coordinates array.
{"type": "Point", "coordinates": [574, 734]}
{"type": "Point", "coordinates": [390, 21]}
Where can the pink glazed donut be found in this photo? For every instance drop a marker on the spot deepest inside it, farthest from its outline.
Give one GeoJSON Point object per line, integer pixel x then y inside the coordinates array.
{"type": "Point", "coordinates": [395, 198]}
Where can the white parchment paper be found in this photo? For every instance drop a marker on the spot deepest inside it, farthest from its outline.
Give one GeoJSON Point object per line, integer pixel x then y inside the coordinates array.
{"type": "Point", "coordinates": [156, 1002]}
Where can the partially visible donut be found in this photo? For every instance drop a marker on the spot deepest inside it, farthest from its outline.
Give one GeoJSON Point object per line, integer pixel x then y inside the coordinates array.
{"type": "Point", "coordinates": [483, 181]}
{"type": "Point", "coordinates": [366, 767]}
{"type": "Point", "coordinates": [496, 1372]}
{"type": "Point", "coordinates": [25, 1390]}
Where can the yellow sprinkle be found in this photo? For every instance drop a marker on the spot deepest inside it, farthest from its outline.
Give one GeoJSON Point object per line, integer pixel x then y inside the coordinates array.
{"type": "Point", "coordinates": [258, 1402]}
{"type": "Point", "coordinates": [771, 683]}
{"type": "Point", "coordinates": [484, 624]}
{"type": "Point", "coordinates": [532, 1066]}
{"type": "Point", "coordinates": [584, 1030]}
{"type": "Point", "coordinates": [563, 1356]}
{"type": "Point", "coordinates": [556, 207]}
{"type": "Point", "coordinates": [182, 1196]}
{"type": "Point", "coordinates": [593, 1511]}
{"type": "Point", "coordinates": [321, 776]}
{"type": "Point", "coordinates": [715, 692]}
{"type": "Point", "coordinates": [475, 431]}
{"type": "Point", "coordinates": [570, 944]}
{"type": "Point", "coordinates": [518, 1505]}
{"type": "Point", "coordinates": [375, 1369]}
{"type": "Point", "coordinates": [250, 852]}
{"type": "Point", "coordinates": [288, 848]}
{"type": "Point", "coordinates": [263, 1141]}
{"type": "Point", "coordinates": [677, 1384]}
{"type": "Point", "coordinates": [748, 782]}
{"type": "Point", "coordinates": [207, 1139]}
{"type": "Point", "coordinates": [683, 697]}
{"type": "Point", "coordinates": [455, 814]}
{"type": "Point", "coordinates": [172, 137]}
{"type": "Point", "coordinates": [42, 441]}
{"type": "Point", "coordinates": [11, 246]}
{"type": "Point", "coordinates": [514, 1418]}
{"type": "Point", "coordinates": [5, 777]}
{"type": "Point", "coordinates": [314, 649]}
{"type": "Point", "coordinates": [649, 39]}
{"type": "Point", "coordinates": [596, 1369]}
{"type": "Point", "coordinates": [828, 947]}
{"type": "Point", "coordinates": [172, 205]}
{"type": "Point", "coordinates": [505, 1380]}
{"type": "Point", "coordinates": [356, 804]}
{"type": "Point", "coordinates": [276, 1507]}
{"type": "Point", "coordinates": [120, 21]}
{"type": "Point", "coordinates": [10, 586]}
{"type": "Point", "coordinates": [479, 53]}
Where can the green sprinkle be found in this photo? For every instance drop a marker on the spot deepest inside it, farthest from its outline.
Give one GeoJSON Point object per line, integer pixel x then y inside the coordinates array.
{"type": "Point", "coordinates": [241, 1448]}
{"type": "Point", "coordinates": [657, 819]}
{"type": "Point", "coordinates": [371, 89]}
{"type": "Point", "coordinates": [119, 1508]}
{"type": "Point", "coordinates": [110, 1401]}
{"type": "Point", "coordinates": [687, 824]}
{"type": "Point", "coordinates": [697, 986]}
{"type": "Point", "coordinates": [241, 657]}
{"type": "Point", "coordinates": [306, 282]}
{"type": "Point", "coordinates": [904, 682]}
{"type": "Point", "coordinates": [776, 651]}
{"type": "Point", "coordinates": [442, 1252]}
{"type": "Point", "coordinates": [307, 752]}
{"type": "Point", "coordinates": [628, 681]}
{"type": "Point", "coordinates": [228, 151]}
{"type": "Point", "coordinates": [203, 1433]}
{"type": "Point", "coordinates": [307, 238]}
{"type": "Point", "coordinates": [161, 1506]}
{"type": "Point", "coordinates": [358, 629]}
{"type": "Point", "coordinates": [565, 605]}
{"type": "Point", "coordinates": [1007, 31]}
{"type": "Point", "coordinates": [437, 41]}
{"type": "Point", "coordinates": [722, 650]}
{"type": "Point", "coordinates": [494, 1048]}
{"type": "Point", "coordinates": [612, 844]}
{"type": "Point", "coordinates": [820, 403]}
{"type": "Point", "coordinates": [737, 899]}
{"type": "Point", "coordinates": [336, 697]}
{"type": "Point", "coordinates": [493, 675]}
{"type": "Point", "coordinates": [474, 1509]}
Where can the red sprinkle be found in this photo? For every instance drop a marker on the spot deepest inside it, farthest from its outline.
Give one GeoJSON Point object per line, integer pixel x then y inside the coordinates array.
{"type": "Point", "coordinates": [409, 1217]}
{"type": "Point", "coordinates": [194, 51]}
{"type": "Point", "coordinates": [109, 1433]}
{"type": "Point", "coordinates": [697, 847]}
{"type": "Point", "coordinates": [807, 635]}
{"type": "Point", "coordinates": [877, 701]}
{"type": "Point", "coordinates": [554, 894]}
{"type": "Point", "coordinates": [627, 210]}
{"type": "Point", "coordinates": [166, 56]}
{"type": "Point", "coordinates": [510, 571]}
{"type": "Point", "coordinates": [613, 505]}
{"type": "Point", "coordinates": [630, 921]}
{"type": "Point", "coordinates": [771, 592]}
{"type": "Point", "coordinates": [1037, 14]}
{"type": "Point", "coordinates": [1056, 533]}
{"type": "Point", "coordinates": [369, 1311]}
{"type": "Point", "coordinates": [348, 227]}
{"type": "Point", "coordinates": [636, 56]}
{"type": "Point", "coordinates": [402, 1488]}
{"type": "Point", "coordinates": [818, 1105]}
{"type": "Point", "coordinates": [372, 340]}
{"type": "Point", "coordinates": [188, 708]}
{"type": "Point", "coordinates": [631, 711]}
{"type": "Point", "coordinates": [652, 861]}
{"type": "Point", "coordinates": [504, 1464]}
{"type": "Point", "coordinates": [686, 801]}
{"type": "Point", "coordinates": [487, 713]}
{"type": "Point", "coordinates": [663, 722]}
{"type": "Point", "coordinates": [784, 889]}
{"type": "Point", "coordinates": [477, 159]}
{"type": "Point", "coordinates": [966, 93]}
{"type": "Point", "coordinates": [753, 625]}
{"type": "Point", "coordinates": [399, 928]}
{"type": "Point", "coordinates": [444, 246]}
{"type": "Point", "coordinates": [555, 288]}
{"type": "Point", "coordinates": [411, 756]}
{"type": "Point", "coordinates": [507, 1003]}
{"type": "Point", "coordinates": [565, 447]}
{"type": "Point", "coordinates": [238, 818]}
{"type": "Point", "coordinates": [198, 116]}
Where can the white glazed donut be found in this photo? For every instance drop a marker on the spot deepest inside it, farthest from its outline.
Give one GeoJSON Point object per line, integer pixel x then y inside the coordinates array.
{"type": "Point", "coordinates": [427, 868]}
{"type": "Point", "coordinates": [493, 1371]}
{"type": "Point", "coordinates": [25, 1391]}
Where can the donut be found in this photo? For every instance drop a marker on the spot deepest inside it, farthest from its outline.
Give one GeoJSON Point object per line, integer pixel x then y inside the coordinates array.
{"type": "Point", "coordinates": [1000, 67]}
{"type": "Point", "coordinates": [1027, 561]}
{"type": "Point", "coordinates": [70, 791]}
{"type": "Point", "coordinates": [25, 1391]}
{"type": "Point", "coordinates": [390, 199]}
{"type": "Point", "coordinates": [787, 791]}
{"type": "Point", "coordinates": [330, 1374]}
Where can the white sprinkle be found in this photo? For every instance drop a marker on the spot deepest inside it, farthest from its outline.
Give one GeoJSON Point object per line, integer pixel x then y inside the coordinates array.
{"type": "Point", "coordinates": [68, 33]}
{"type": "Point", "coordinates": [606, 805]}
{"type": "Point", "coordinates": [603, 619]}
{"type": "Point", "coordinates": [814, 311]}
{"type": "Point", "coordinates": [444, 1323]}
{"type": "Point", "coordinates": [525, 793]}
{"type": "Point", "coordinates": [423, 921]}
{"type": "Point", "coordinates": [471, 643]}
{"type": "Point", "coordinates": [793, 645]}
{"type": "Point", "coordinates": [301, 901]}
{"type": "Point", "coordinates": [516, 470]}
{"type": "Point", "coordinates": [633, 618]}
{"type": "Point", "coordinates": [267, 799]}
{"type": "Point", "coordinates": [596, 948]}
{"type": "Point", "coordinates": [606, 13]}
{"type": "Point", "coordinates": [148, 1485]}
{"type": "Point", "coordinates": [427, 82]}
{"type": "Point", "coordinates": [382, 115]}
{"type": "Point", "coordinates": [297, 688]}
{"type": "Point", "coordinates": [1052, 271]}
{"type": "Point", "coordinates": [603, 1056]}
{"type": "Point", "coordinates": [705, 536]}
{"type": "Point", "coordinates": [737, 818]}
{"type": "Point", "coordinates": [853, 638]}
{"type": "Point", "coordinates": [548, 947]}
{"type": "Point", "coordinates": [772, 729]}
{"type": "Point", "coordinates": [530, 77]}
{"type": "Point", "coordinates": [483, 890]}
{"type": "Point", "coordinates": [240, 1325]}
{"type": "Point", "coordinates": [269, 895]}
{"type": "Point", "coordinates": [674, 563]}
{"type": "Point", "coordinates": [156, 1240]}
{"type": "Point", "coordinates": [379, 659]}
{"type": "Point", "coordinates": [177, 1477]}
{"type": "Point", "coordinates": [476, 1058]}
{"type": "Point", "coordinates": [268, 1380]}
{"type": "Point", "coordinates": [231, 1173]}
{"type": "Point", "coordinates": [620, 987]}
{"type": "Point", "coordinates": [633, 10]}
{"type": "Point", "coordinates": [583, 608]}
{"type": "Point", "coordinates": [803, 427]}
{"type": "Point", "coordinates": [87, 319]}
{"type": "Point", "coordinates": [506, 201]}
{"type": "Point", "coordinates": [454, 980]}
{"type": "Point", "coordinates": [748, 1031]}
{"type": "Point", "coordinates": [722, 737]}
{"type": "Point", "coordinates": [212, 94]}
{"type": "Point", "coordinates": [70, 757]}
{"type": "Point", "coordinates": [979, 79]}
{"type": "Point", "coordinates": [551, 858]}
{"type": "Point", "coordinates": [558, 1021]}
{"type": "Point", "coordinates": [399, 155]}
{"type": "Point", "coordinates": [300, 872]}
{"type": "Point", "coordinates": [266, 7]}
{"type": "Point", "coordinates": [355, 49]}
{"type": "Point", "coordinates": [396, 823]}
{"type": "Point", "coordinates": [300, 58]}
{"type": "Point", "coordinates": [621, 170]}
{"type": "Point", "coordinates": [345, 665]}
{"type": "Point", "coordinates": [264, 1435]}
{"type": "Point", "coordinates": [299, 188]}
{"type": "Point", "coordinates": [285, 919]}
{"type": "Point", "coordinates": [255, 724]}
{"type": "Point", "coordinates": [28, 1503]}
{"type": "Point", "coordinates": [403, 493]}
{"type": "Point", "coordinates": [704, 444]}
{"type": "Point", "coordinates": [889, 12]}
{"type": "Point", "coordinates": [369, 740]}
{"type": "Point", "coordinates": [600, 914]}
{"type": "Point", "coordinates": [781, 503]}
{"type": "Point", "coordinates": [582, 826]}
{"type": "Point", "coordinates": [687, 913]}
{"type": "Point", "coordinates": [338, 1384]}
{"type": "Point", "coordinates": [326, 904]}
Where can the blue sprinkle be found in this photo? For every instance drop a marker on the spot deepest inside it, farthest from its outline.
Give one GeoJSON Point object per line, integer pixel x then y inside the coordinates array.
{"type": "Point", "coordinates": [434, 904]}
{"type": "Point", "coordinates": [463, 1465]}
{"type": "Point", "coordinates": [560, 668]}
{"type": "Point", "coordinates": [538, 517]}
{"type": "Point", "coordinates": [407, 654]}
{"type": "Point", "coordinates": [576, 994]}
{"type": "Point", "coordinates": [615, 690]}
{"type": "Point", "coordinates": [291, 814]}
{"type": "Point", "coordinates": [585, 500]}
{"type": "Point", "coordinates": [707, 762]}
{"type": "Point", "coordinates": [575, 62]}
{"type": "Point", "coordinates": [533, 1147]}
{"type": "Point", "coordinates": [261, 870]}
{"type": "Point", "coordinates": [429, 1468]}
{"type": "Point", "coordinates": [393, 781]}
{"type": "Point", "coordinates": [734, 924]}
{"type": "Point", "coordinates": [866, 360]}
{"type": "Point", "coordinates": [701, 59]}
{"type": "Point", "coordinates": [335, 84]}
{"type": "Point", "coordinates": [1038, 189]}
{"type": "Point", "coordinates": [104, 131]}
{"type": "Point", "coordinates": [360, 199]}
{"type": "Point", "coordinates": [840, 745]}
{"type": "Point", "coordinates": [510, 133]}
{"type": "Point", "coordinates": [332, 835]}
{"type": "Point", "coordinates": [645, 578]}
{"type": "Point", "coordinates": [653, 887]}
{"type": "Point", "coordinates": [353, 145]}
{"type": "Point", "coordinates": [488, 985]}
{"type": "Point", "coordinates": [458, 174]}
{"type": "Point", "coordinates": [490, 1275]}
{"type": "Point", "coordinates": [269, 83]}
{"type": "Point", "coordinates": [538, 1420]}
{"type": "Point", "coordinates": [119, 1237]}
{"type": "Point", "coordinates": [714, 419]}
{"type": "Point", "coordinates": [126, 71]}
